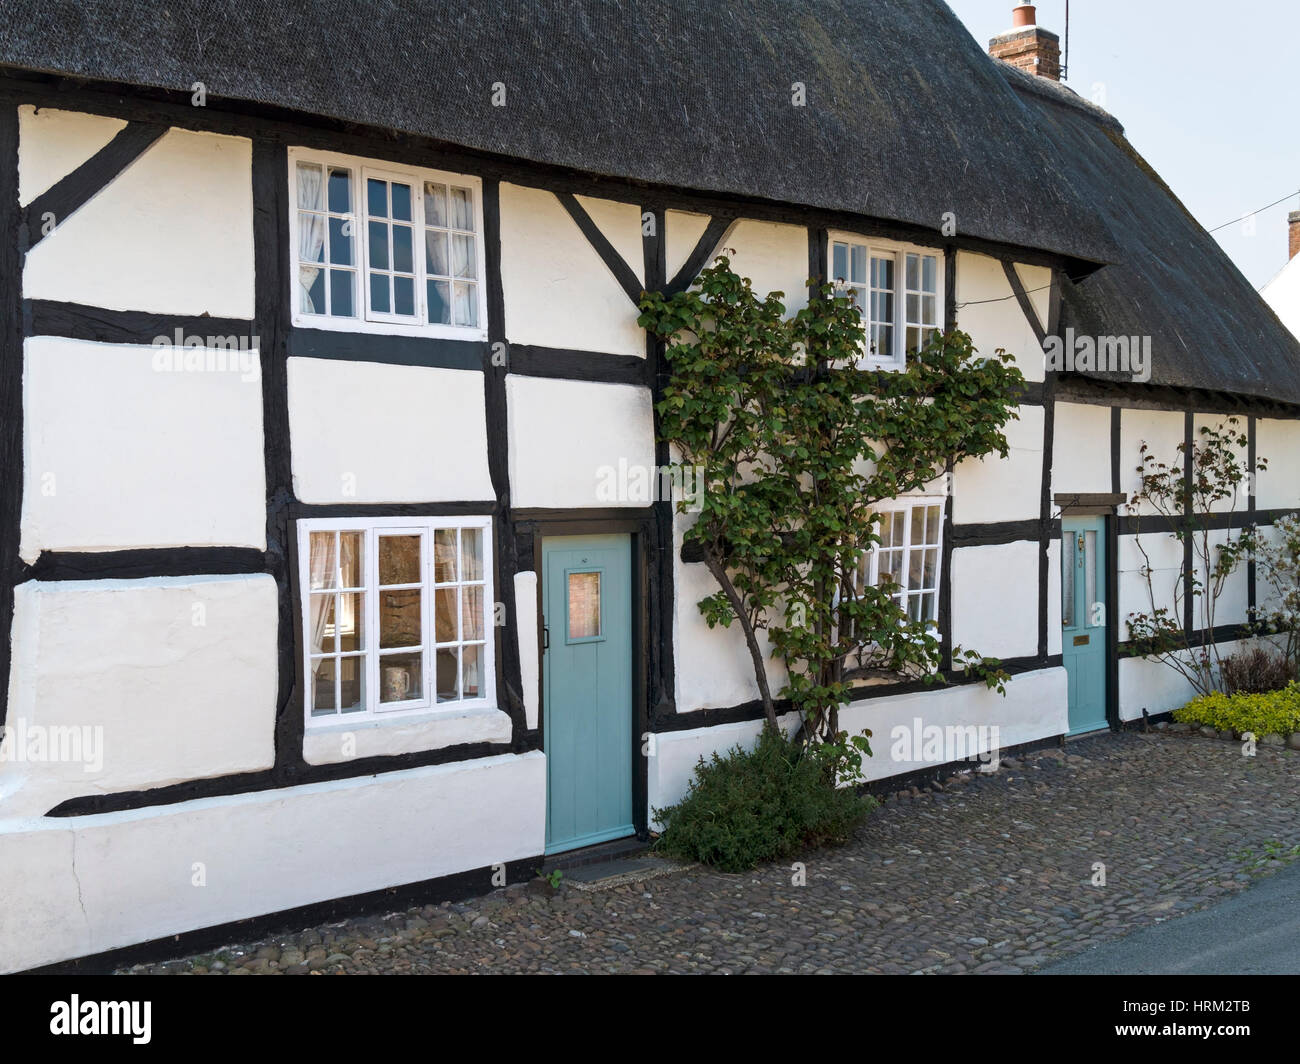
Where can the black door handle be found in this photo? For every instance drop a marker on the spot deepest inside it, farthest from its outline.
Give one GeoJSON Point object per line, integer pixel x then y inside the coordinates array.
{"type": "Point", "coordinates": [546, 638]}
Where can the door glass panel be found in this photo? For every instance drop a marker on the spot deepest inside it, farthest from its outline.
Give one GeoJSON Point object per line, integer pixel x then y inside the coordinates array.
{"type": "Point", "coordinates": [1067, 579]}
{"type": "Point", "coordinates": [1090, 576]}
{"type": "Point", "coordinates": [584, 605]}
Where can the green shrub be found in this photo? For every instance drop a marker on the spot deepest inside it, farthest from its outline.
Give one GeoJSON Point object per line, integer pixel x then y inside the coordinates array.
{"type": "Point", "coordinates": [757, 805]}
{"type": "Point", "coordinates": [1272, 713]}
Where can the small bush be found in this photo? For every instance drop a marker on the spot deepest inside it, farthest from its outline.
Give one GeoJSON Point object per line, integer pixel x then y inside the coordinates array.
{"type": "Point", "coordinates": [1256, 671]}
{"type": "Point", "coordinates": [757, 805]}
{"type": "Point", "coordinates": [1271, 713]}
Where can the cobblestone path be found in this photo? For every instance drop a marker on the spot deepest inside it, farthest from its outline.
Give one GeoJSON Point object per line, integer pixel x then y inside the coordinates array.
{"type": "Point", "coordinates": [988, 874]}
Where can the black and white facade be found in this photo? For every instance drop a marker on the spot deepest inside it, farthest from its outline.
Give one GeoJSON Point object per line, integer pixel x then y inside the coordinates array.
{"type": "Point", "coordinates": [275, 378]}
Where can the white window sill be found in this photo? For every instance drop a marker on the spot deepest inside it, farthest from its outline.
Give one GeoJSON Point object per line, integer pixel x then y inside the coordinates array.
{"type": "Point", "coordinates": [388, 328]}
{"type": "Point", "coordinates": [410, 733]}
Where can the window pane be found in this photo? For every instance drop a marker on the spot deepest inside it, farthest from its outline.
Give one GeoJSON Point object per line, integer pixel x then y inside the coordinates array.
{"type": "Point", "coordinates": [933, 523]}
{"type": "Point", "coordinates": [377, 198]}
{"type": "Point", "coordinates": [882, 339]}
{"type": "Point", "coordinates": [914, 607]}
{"type": "Point", "coordinates": [322, 624]}
{"type": "Point", "coordinates": [1090, 575]}
{"type": "Point", "coordinates": [324, 560]}
{"type": "Point", "coordinates": [929, 310]}
{"type": "Point", "coordinates": [341, 241]}
{"type": "Point", "coordinates": [399, 559]}
{"type": "Point", "coordinates": [465, 304]}
{"type": "Point", "coordinates": [858, 265]}
{"type": "Point", "coordinates": [446, 628]}
{"type": "Point", "coordinates": [350, 620]}
{"type": "Point", "coordinates": [471, 546]}
{"type": "Point", "coordinates": [351, 557]}
{"type": "Point", "coordinates": [435, 253]}
{"type": "Point", "coordinates": [352, 682]}
{"type": "Point", "coordinates": [379, 292]}
{"type": "Point", "coordinates": [882, 272]}
{"type": "Point", "coordinates": [401, 677]}
{"type": "Point", "coordinates": [311, 194]}
{"type": "Point", "coordinates": [342, 294]}
{"type": "Point", "coordinates": [399, 618]}
{"type": "Point", "coordinates": [435, 204]}
{"type": "Point", "coordinates": [311, 237]}
{"type": "Point", "coordinates": [913, 338]}
{"type": "Point", "coordinates": [913, 272]}
{"type": "Point", "coordinates": [322, 687]}
{"type": "Point", "coordinates": [403, 257]}
{"type": "Point", "coordinates": [930, 606]}
{"type": "Point", "coordinates": [931, 564]}
{"type": "Point", "coordinates": [340, 193]}
{"type": "Point", "coordinates": [472, 680]}
{"type": "Point", "coordinates": [839, 262]}
{"type": "Point", "coordinates": [918, 524]}
{"type": "Point", "coordinates": [439, 295]}
{"type": "Point", "coordinates": [463, 257]}
{"type": "Point", "coordinates": [401, 202]}
{"type": "Point", "coordinates": [886, 568]}
{"type": "Point", "coordinates": [462, 209]}
{"type": "Point", "coordinates": [448, 674]}
{"type": "Point", "coordinates": [311, 290]}
{"type": "Point", "coordinates": [584, 605]}
{"type": "Point", "coordinates": [403, 295]}
{"type": "Point", "coordinates": [444, 555]}
{"type": "Point", "coordinates": [915, 570]}
{"type": "Point", "coordinates": [378, 245]}
{"type": "Point", "coordinates": [930, 273]}
{"type": "Point", "coordinates": [913, 308]}
{"type": "Point", "coordinates": [472, 612]}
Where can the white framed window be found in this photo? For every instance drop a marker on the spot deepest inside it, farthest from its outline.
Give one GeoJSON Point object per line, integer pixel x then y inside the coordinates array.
{"type": "Point", "coordinates": [397, 616]}
{"type": "Point", "coordinates": [378, 248]}
{"type": "Point", "coordinates": [898, 289]}
{"type": "Point", "coordinates": [909, 555]}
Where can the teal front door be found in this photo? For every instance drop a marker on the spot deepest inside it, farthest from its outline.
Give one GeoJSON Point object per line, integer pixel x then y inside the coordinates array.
{"type": "Point", "coordinates": [1083, 620]}
{"type": "Point", "coordinates": [587, 689]}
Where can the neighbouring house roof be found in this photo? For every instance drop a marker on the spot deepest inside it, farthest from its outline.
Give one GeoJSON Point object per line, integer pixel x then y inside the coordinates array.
{"type": "Point", "coordinates": [907, 119]}
{"type": "Point", "coordinates": [1282, 293]}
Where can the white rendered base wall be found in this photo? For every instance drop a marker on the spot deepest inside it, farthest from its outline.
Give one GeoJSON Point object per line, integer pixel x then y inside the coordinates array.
{"type": "Point", "coordinates": [83, 885]}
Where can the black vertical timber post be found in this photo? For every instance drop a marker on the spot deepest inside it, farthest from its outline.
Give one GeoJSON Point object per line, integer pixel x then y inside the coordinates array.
{"type": "Point", "coordinates": [496, 366]}
{"type": "Point", "coordinates": [1189, 561]}
{"type": "Point", "coordinates": [271, 321]}
{"type": "Point", "coordinates": [1252, 516]}
{"type": "Point", "coordinates": [13, 246]}
{"type": "Point", "coordinates": [1112, 580]}
{"type": "Point", "coordinates": [662, 682]}
{"type": "Point", "coordinates": [950, 484]}
{"type": "Point", "coordinates": [1053, 328]}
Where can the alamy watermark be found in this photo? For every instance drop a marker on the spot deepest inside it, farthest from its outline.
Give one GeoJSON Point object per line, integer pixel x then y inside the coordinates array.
{"type": "Point", "coordinates": [1128, 356]}
{"type": "Point", "coordinates": [83, 744]}
{"type": "Point", "coordinates": [922, 743]}
{"type": "Point", "coordinates": [631, 483]}
{"type": "Point", "coordinates": [182, 353]}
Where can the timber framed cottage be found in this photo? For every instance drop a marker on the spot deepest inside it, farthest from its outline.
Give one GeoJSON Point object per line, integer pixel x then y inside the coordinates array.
{"type": "Point", "coordinates": [329, 564]}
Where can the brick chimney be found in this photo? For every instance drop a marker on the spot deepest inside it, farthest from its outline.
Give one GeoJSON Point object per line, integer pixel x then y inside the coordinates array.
{"type": "Point", "coordinates": [1028, 46]}
{"type": "Point", "coordinates": [1293, 220]}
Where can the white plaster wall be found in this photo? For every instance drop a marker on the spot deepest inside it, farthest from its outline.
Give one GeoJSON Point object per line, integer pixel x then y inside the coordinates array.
{"type": "Point", "coordinates": [1034, 708]}
{"type": "Point", "coordinates": [992, 315]}
{"type": "Point", "coordinates": [1241, 499]}
{"type": "Point", "coordinates": [336, 744]}
{"type": "Point", "coordinates": [774, 257]}
{"type": "Point", "coordinates": [173, 234]}
{"type": "Point", "coordinates": [175, 677]}
{"type": "Point", "coordinates": [53, 143]}
{"type": "Point", "coordinates": [713, 666]}
{"type": "Point", "coordinates": [995, 599]}
{"type": "Point", "coordinates": [366, 432]}
{"type": "Point", "coordinates": [1004, 489]}
{"type": "Point", "coordinates": [682, 231]}
{"type": "Point", "coordinates": [558, 292]}
{"type": "Point", "coordinates": [1155, 686]}
{"type": "Point", "coordinates": [1278, 487]}
{"type": "Point", "coordinates": [530, 668]}
{"type": "Point", "coordinates": [580, 444]}
{"type": "Point", "coordinates": [1162, 430]}
{"type": "Point", "coordinates": [118, 453]}
{"type": "Point", "coordinates": [1081, 449]}
{"type": "Point", "coordinates": [1235, 596]}
{"type": "Point", "coordinates": [1166, 561]}
{"type": "Point", "coordinates": [88, 884]}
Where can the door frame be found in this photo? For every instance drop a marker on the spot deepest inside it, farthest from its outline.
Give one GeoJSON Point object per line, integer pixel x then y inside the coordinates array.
{"type": "Point", "coordinates": [1105, 507]}
{"type": "Point", "coordinates": [638, 527]}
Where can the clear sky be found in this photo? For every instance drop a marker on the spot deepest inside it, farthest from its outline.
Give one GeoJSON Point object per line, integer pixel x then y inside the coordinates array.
{"type": "Point", "coordinates": [1207, 93]}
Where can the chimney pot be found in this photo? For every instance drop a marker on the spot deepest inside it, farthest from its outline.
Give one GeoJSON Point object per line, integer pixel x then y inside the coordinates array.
{"type": "Point", "coordinates": [1293, 221]}
{"type": "Point", "coordinates": [1023, 15]}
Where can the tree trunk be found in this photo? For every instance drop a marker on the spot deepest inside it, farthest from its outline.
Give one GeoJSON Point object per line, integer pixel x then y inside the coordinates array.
{"type": "Point", "coordinates": [751, 636]}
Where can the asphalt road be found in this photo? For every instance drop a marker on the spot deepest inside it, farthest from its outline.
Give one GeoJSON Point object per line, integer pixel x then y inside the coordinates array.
{"type": "Point", "coordinates": [1255, 933]}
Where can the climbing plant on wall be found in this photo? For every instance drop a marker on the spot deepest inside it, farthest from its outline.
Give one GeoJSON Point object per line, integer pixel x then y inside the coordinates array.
{"type": "Point", "coordinates": [795, 447]}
